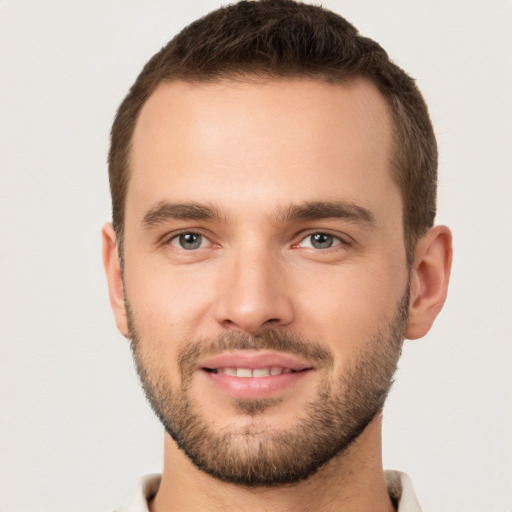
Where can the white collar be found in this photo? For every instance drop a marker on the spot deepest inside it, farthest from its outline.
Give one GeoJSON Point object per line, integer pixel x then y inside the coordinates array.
{"type": "Point", "coordinates": [399, 487]}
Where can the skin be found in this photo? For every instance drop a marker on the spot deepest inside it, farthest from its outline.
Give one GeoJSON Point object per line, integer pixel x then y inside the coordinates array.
{"type": "Point", "coordinates": [251, 150]}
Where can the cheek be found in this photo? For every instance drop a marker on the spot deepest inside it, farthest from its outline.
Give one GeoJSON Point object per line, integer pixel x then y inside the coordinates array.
{"type": "Point", "coordinates": [348, 306]}
{"type": "Point", "coordinates": [167, 305]}
{"type": "Point", "coordinates": [165, 319]}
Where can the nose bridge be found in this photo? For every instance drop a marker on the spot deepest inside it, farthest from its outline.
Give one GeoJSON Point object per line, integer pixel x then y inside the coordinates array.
{"type": "Point", "coordinates": [252, 295]}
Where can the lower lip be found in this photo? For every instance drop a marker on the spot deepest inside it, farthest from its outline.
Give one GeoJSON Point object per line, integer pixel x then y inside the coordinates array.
{"type": "Point", "coordinates": [254, 387]}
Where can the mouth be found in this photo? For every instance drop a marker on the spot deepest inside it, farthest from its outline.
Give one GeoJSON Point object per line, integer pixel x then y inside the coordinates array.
{"type": "Point", "coordinates": [255, 373]}
{"type": "Point", "coordinates": [252, 374]}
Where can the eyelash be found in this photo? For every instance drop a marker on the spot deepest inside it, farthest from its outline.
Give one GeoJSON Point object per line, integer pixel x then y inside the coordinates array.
{"type": "Point", "coordinates": [336, 240]}
{"type": "Point", "coordinates": [176, 236]}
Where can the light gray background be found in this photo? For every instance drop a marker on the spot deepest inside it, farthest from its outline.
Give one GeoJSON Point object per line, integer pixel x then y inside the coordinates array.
{"type": "Point", "coordinates": [75, 431]}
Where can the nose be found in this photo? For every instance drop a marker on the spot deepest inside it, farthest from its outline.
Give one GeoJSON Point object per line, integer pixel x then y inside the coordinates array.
{"type": "Point", "coordinates": [252, 295]}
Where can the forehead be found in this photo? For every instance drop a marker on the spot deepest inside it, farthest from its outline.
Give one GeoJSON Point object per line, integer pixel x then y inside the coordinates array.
{"type": "Point", "coordinates": [232, 141]}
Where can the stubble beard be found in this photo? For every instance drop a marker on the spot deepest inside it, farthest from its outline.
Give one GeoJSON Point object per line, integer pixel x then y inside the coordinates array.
{"type": "Point", "coordinates": [261, 456]}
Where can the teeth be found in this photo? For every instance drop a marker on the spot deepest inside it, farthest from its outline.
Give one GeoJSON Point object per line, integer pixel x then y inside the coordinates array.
{"type": "Point", "coordinates": [261, 372]}
{"type": "Point", "coordinates": [256, 372]}
{"type": "Point", "coordinates": [243, 372]}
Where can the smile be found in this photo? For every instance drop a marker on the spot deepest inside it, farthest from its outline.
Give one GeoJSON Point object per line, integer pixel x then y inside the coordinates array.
{"type": "Point", "coordinates": [249, 372]}
{"type": "Point", "coordinates": [253, 374]}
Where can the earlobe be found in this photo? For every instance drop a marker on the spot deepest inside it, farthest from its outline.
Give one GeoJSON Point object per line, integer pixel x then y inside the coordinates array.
{"type": "Point", "coordinates": [429, 280]}
{"type": "Point", "coordinates": [112, 266]}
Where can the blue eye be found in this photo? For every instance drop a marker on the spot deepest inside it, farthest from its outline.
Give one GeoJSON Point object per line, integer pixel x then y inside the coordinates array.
{"type": "Point", "coordinates": [188, 241]}
{"type": "Point", "coordinates": [321, 241]}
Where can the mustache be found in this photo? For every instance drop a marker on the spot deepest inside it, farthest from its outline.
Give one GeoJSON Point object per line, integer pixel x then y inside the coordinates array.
{"type": "Point", "coordinates": [268, 340]}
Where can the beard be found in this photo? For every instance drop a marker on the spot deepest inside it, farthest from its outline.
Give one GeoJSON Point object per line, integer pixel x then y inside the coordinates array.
{"type": "Point", "coordinates": [257, 455]}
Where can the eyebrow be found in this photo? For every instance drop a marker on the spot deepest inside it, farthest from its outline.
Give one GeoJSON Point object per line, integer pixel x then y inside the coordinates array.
{"type": "Point", "coordinates": [308, 211]}
{"type": "Point", "coordinates": [164, 211]}
{"type": "Point", "coordinates": [318, 210]}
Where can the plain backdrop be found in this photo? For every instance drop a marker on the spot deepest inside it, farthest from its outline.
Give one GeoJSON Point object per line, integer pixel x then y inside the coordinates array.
{"type": "Point", "coordinates": [75, 430]}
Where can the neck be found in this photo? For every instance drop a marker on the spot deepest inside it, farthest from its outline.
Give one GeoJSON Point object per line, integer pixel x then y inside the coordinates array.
{"type": "Point", "coordinates": [354, 480]}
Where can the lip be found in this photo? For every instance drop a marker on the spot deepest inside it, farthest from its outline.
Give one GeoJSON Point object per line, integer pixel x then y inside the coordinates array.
{"type": "Point", "coordinates": [254, 359]}
{"type": "Point", "coordinates": [253, 387]}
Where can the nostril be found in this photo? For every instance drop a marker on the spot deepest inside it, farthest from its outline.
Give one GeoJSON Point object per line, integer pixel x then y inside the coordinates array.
{"type": "Point", "coordinates": [252, 310]}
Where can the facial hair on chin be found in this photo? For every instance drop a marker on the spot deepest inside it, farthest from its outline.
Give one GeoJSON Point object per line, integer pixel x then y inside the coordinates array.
{"type": "Point", "coordinates": [340, 412]}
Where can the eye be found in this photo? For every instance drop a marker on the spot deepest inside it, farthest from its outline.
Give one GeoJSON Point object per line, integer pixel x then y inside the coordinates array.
{"type": "Point", "coordinates": [320, 241]}
{"type": "Point", "coordinates": [189, 241]}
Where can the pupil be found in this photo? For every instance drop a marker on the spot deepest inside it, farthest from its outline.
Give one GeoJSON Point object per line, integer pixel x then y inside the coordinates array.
{"type": "Point", "coordinates": [190, 241]}
{"type": "Point", "coordinates": [322, 241]}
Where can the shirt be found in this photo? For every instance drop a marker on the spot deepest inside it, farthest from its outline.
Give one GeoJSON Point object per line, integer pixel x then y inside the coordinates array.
{"type": "Point", "coordinates": [399, 487]}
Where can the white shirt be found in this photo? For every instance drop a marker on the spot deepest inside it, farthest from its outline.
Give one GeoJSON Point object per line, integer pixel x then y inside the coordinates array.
{"type": "Point", "coordinates": [399, 487]}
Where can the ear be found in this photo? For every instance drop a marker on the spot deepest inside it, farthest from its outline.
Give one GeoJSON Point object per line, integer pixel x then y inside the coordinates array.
{"type": "Point", "coordinates": [429, 280]}
{"type": "Point", "coordinates": [114, 277]}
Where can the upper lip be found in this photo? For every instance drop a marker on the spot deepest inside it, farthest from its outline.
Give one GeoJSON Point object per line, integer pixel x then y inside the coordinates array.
{"type": "Point", "coordinates": [253, 359]}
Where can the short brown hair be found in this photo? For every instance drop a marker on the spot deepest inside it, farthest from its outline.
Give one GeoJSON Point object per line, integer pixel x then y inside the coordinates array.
{"type": "Point", "coordinates": [285, 39]}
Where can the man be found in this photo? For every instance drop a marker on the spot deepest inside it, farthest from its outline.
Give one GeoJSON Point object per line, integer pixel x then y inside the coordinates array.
{"type": "Point", "coordinates": [273, 179]}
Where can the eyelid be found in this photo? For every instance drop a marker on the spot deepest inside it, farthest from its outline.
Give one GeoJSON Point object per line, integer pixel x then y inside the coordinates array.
{"type": "Point", "coordinates": [344, 239]}
{"type": "Point", "coordinates": [168, 237]}
{"type": "Point", "coordinates": [176, 242]}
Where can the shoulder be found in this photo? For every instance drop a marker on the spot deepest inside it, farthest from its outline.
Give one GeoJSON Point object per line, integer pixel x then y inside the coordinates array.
{"type": "Point", "coordinates": [145, 489]}
{"type": "Point", "coordinates": [401, 491]}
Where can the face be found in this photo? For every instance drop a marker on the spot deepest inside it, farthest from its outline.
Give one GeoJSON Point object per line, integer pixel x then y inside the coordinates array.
{"type": "Point", "coordinates": [265, 276]}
